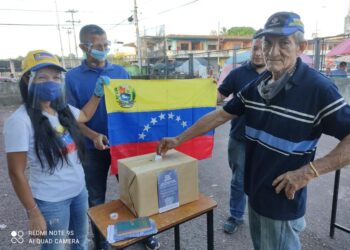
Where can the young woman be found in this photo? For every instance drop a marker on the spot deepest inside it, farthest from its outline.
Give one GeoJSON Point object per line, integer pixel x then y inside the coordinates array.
{"type": "Point", "coordinates": [43, 134]}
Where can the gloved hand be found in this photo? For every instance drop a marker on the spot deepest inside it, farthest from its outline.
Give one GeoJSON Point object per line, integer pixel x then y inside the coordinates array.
{"type": "Point", "coordinates": [102, 80]}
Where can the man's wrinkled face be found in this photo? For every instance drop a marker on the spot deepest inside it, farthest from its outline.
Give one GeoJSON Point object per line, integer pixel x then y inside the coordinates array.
{"type": "Point", "coordinates": [280, 52]}
{"type": "Point", "coordinates": [257, 57]}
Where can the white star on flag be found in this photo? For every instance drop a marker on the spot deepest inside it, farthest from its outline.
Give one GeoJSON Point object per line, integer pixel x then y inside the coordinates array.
{"type": "Point", "coordinates": [146, 127]}
{"type": "Point", "coordinates": [161, 116]}
{"type": "Point", "coordinates": [142, 136]}
{"type": "Point", "coordinates": [153, 121]}
{"type": "Point", "coordinates": [184, 124]}
{"type": "Point", "coordinates": [171, 116]}
{"type": "Point", "coordinates": [178, 118]}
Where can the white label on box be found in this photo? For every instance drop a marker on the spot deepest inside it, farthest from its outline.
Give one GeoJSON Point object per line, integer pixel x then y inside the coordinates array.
{"type": "Point", "coordinates": [168, 190]}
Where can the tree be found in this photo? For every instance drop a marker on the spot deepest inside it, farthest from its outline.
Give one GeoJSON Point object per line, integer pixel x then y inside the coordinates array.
{"type": "Point", "coordinates": [118, 58]}
{"type": "Point", "coordinates": [238, 31]}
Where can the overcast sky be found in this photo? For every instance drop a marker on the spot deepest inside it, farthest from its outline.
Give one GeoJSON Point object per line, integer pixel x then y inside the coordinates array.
{"type": "Point", "coordinates": [199, 17]}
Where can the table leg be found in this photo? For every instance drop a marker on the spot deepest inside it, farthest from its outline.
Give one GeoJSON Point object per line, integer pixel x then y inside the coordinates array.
{"type": "Point", "coordinates": [210, 230]}
{"type": "Point", "coordinates": [177, 237]}
{"type": "Point", "coordinates": [334, 203]}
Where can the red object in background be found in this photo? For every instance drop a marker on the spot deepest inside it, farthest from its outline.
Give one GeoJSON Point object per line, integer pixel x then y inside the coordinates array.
{"type": "Point", "coordinates": [342, 48]}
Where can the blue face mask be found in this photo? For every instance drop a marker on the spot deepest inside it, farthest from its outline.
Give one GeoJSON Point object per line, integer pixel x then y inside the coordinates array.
{"type": "Point", "coordinates": [99, 55]}
{"type": "Point", "coordinates": [46, 91]}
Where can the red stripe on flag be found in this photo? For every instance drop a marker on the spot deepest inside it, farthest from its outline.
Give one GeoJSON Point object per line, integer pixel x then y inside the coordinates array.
{"type": "Point", "coordinates": [200, 148]}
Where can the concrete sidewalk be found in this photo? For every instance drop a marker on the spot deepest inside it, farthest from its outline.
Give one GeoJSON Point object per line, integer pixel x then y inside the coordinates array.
{"type": "Point", "coordinates": [214, 177]}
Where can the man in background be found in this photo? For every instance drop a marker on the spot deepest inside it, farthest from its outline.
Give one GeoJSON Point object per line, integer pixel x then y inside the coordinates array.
{"type": "Point", "coordinates": [80, 82]}
{"type": "Point", "coordinates": [232, 84]}
{"type": "Point", "coordinates": [341, 70]}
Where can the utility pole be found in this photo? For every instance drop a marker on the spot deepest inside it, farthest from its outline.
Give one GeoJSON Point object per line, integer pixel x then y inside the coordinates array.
{"type": "Point", "coordinates": [219, 45]}
{"type": "Point", "coordinates": [59, 34]}
{"type": "Point", "coordinates": [73, 22]}
{"type": "Point", "coordinates": [165, 54]}
{"type": "Point", "coordinates": [69, 32]}
{"type": "Point", "coordinates": [138, 41]}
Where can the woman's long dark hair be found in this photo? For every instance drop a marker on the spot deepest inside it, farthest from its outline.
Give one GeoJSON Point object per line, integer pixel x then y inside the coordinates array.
{"type": "Point", "coordinates": [47, 142]}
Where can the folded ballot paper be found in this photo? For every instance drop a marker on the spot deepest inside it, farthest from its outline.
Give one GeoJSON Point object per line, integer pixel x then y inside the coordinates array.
{"type": "Point", "coordinates": [123, 230]}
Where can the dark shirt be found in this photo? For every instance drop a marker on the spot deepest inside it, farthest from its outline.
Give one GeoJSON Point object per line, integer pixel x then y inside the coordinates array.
{"type": "Point", "coordinates": [338, 73]}
{"type": "Point", "coordinates": [283, 135]}
{"type": "Point", "coordinates": [232, 84]}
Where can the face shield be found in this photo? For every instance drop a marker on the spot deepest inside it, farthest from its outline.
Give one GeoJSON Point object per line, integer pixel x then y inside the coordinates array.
{"type": "Point", "coordinates": [47, 85]}
{"type": "Point", "coordinates": [98, 51]}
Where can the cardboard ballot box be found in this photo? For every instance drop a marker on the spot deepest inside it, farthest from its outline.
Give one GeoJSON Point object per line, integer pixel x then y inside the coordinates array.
{"type": "Point", "coordinates": [138, 180]}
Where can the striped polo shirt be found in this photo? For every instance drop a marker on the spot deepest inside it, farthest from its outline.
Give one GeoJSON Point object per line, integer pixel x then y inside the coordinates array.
{"type": "Point", "coordinates": [232, 84]}
{"type": "Point", "coordinates": [282, 135]}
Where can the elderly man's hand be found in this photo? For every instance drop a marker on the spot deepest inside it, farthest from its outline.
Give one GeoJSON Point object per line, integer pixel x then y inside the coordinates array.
{"type": "Point", "coordinates": [292, 181]}
{"type": "Point", "coordinates": [167, 143]}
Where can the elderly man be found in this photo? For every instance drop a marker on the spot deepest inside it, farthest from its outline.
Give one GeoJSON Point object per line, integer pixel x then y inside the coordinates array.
{"type": "Point", "coordinates": [286, 109]}
{"type": "Point", "coordinates": [233, 83]}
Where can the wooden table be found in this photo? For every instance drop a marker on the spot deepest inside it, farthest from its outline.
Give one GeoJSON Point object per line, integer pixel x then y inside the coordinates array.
{"type": "Point", "coordinates": [99, 215]}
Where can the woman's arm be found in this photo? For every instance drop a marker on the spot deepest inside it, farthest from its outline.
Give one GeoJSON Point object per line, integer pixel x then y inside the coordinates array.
{"type": "Point", "coordinates": [16, 165]}
{"type": "Point", "coordinates": [89, 109]}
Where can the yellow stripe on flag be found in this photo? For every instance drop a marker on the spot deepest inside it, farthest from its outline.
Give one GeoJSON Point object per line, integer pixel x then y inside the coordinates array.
{"type": "Point", "coordinates": [152, 95]}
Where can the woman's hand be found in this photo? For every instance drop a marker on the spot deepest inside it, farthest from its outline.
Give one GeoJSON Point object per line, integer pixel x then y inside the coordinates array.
{"type": "Point", "coordinates": [37, 224]}
{"type": "Point", "coordinates": [101, 142]}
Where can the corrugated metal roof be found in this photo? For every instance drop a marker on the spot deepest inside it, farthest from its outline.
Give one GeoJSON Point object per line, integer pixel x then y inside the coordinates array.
{"type": "Point", "coordinates": [208, 37]}
{"type": "Point", "coordinates": [341, 49]}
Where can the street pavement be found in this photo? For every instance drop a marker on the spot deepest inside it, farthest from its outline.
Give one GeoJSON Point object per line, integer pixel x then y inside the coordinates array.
{"type": "Point", "coordinates": [214, 181]}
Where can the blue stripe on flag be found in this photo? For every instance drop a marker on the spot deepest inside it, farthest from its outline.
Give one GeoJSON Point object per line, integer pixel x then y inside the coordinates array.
{"type": "Point", "coordinates": [130, 127]}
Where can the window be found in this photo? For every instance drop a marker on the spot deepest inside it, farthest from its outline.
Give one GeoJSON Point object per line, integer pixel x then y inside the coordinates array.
{"type": "Point", "coordinates": [196, 46]}
{"type": "Point", "coordinates": [211, 47]}
{"type": "Point", "coordinates": [184, 46]}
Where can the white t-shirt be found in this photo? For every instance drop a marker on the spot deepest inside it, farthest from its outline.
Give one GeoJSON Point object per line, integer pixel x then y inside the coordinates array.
{"type": "Point", "coordinates": [66, 181]}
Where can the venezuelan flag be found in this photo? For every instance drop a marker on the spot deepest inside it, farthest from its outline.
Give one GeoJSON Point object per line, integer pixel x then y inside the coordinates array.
{"type": "Point", "coordinates": [141, 112]}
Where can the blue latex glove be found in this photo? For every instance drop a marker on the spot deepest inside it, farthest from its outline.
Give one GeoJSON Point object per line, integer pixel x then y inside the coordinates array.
{"type": "Point", "coordinates": [102, 80]}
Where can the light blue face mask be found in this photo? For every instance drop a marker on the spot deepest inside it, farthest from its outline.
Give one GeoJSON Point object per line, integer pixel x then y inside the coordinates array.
{"type": "Point", "coordinates": [99, 55]}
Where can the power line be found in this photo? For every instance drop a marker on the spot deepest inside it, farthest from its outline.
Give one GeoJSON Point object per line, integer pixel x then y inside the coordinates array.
{"type": "Point", "coordinates": [50, 25]}
{"type": "Point", "coordinates": [120, 23]}
{"type": "Point", "coordinates": [77, 24]}
{"type": "Point", "coordinates": [27, 24]}
{"type": "Point", "coordinates": [171, 9]}
{"type": "Point", "coordinates": [29, 10]}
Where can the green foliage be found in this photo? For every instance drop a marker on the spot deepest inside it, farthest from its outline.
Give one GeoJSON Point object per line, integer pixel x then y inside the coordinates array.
{"type": "Point", "coordinates": [118, 58]}
{"type": "Point", "coordinates": [238, 31]}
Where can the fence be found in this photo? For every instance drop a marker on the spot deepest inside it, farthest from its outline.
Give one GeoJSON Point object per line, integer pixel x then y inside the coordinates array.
{"type": "Point", "coordinates": [187, 64]}
{"type": "Point", "coordinates": [198, 63]}
{"type": "Point", "coordinates": [321, 50]}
